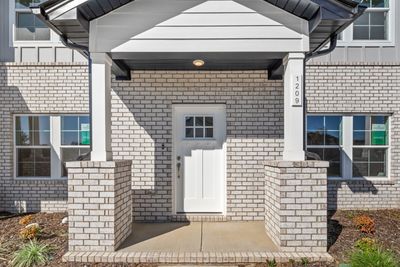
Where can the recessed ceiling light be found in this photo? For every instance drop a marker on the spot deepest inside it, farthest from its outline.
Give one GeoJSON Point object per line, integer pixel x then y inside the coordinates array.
{"type": "Point", "coordinates": [198, 62]}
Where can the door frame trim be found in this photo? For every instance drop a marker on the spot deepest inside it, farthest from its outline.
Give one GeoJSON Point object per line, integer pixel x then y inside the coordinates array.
{"type": "Point", "coordinates": [173, 159]}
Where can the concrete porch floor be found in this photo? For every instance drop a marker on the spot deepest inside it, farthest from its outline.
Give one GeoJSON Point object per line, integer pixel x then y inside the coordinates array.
{"type": "Point", "coordinates": [198, 237]}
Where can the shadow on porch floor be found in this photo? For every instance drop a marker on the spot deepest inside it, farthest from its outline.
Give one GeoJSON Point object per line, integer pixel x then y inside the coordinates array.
{"type": "Point", "coordinates": [198, 237]}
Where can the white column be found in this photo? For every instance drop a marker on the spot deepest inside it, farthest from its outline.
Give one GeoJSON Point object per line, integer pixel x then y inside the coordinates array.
{"type": "Point", "coordinates": [101, 107]}
{"type": "Point", "coordinates": [294, 108]}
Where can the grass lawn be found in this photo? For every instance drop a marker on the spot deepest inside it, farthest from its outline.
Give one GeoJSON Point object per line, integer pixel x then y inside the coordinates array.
{"type": "Point", "coordinates": [342, 235]}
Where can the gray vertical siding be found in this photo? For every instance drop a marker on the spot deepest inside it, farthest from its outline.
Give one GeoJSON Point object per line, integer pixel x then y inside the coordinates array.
{"type": "Point", "coordinates": [6, 52]}
{"type": "Point", "coordinates": [368, 54]}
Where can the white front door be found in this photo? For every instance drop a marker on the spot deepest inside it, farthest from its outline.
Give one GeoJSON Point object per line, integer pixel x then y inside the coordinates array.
{"type": "Point", "coordinates": [199, 135]}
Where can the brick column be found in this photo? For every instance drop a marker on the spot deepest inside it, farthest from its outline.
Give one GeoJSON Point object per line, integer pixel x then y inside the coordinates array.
{"type": "Point", "coordinates": [296, 205]}
{"type": "Point", "coordinates": [99, 204]}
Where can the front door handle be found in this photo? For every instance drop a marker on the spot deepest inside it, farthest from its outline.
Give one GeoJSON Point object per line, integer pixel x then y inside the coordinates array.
{"type": "Point", "coordinates": [178, 170]}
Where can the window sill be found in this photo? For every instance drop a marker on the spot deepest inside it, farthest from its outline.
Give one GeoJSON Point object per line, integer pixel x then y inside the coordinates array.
{"type": "Point", "coordinates": [34, 179]}
{"type": "Point", "coordinates": [373, 180]}
{"type": "Point", "coordinates": [366, 43]}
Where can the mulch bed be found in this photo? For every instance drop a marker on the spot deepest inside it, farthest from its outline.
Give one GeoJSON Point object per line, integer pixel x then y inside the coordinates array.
{"type": "Point", "coordinates": [342, 235]}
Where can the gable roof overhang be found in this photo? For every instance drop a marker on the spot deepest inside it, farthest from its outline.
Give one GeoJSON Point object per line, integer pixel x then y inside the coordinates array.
{"type": "Point", "coordinates": [71, 20]}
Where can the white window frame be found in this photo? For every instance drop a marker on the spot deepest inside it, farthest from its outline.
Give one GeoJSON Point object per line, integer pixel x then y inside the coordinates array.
{"type": "Point", "coordinates": [347, 34]}
{"type": "Point", "coordinates": [347, 146]}
{"type": "Point", "coordinates": [54, 38]}
{"type": "Point", "coordinates": [55, 147]}
{"type": "Point", "coordinates": [61, 146]}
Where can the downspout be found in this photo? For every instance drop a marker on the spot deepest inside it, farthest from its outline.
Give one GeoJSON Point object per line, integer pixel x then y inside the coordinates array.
{"type": "Point", "coordinates": [332, 46]}
{"type": "Point", "coordinates": [85, 50]}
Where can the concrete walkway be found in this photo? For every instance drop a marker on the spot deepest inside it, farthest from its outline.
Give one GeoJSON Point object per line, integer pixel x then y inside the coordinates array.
{"type": "Point", "coordinates": [199, 237]}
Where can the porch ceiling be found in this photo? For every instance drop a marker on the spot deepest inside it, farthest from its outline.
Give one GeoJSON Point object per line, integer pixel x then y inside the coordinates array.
{"type": "Point", "coordinates": [72, 20]}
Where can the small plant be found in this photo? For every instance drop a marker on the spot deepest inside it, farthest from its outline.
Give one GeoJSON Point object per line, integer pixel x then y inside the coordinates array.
{"type": "Point", "coordinates": [305, 262]}
{"type": "Point", "coordinates": [366, 243]}
{"type": "Point", "coordinates": [26, 220]}
{"type": "Point", "coordinates": [374, 256]}
{"type": "Point", "coordinates": [32, 254]}
{"type": "Point", "coordinates": [31, 231]}
{"type": "Point", "coordinates": [272, 263]}
{"type": "Point", "coordinates": [292, 262]}
{"type": "Point", "coordinates": [365, 224]}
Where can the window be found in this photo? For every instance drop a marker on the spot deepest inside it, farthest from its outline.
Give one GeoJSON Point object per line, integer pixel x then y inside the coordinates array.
{"type": "Point", "coordinates": [370, 146]}
{"type": "Point", "coordinates": [44, 143]}
{"type": "Point", "coordinates": [199, 127]}
{"type": "Point", "coordinates": [75, 138]}
{"type": "Point", "coordinates": [375, 25]}
{"type": "Point", "coordinates": [32, 142]}
{"type": "Point", "coordinates": [356, 146]}
{"type": "Point", "coordinates": [27, 26]}
{"type": "Point", "coordinates": [324, 139]}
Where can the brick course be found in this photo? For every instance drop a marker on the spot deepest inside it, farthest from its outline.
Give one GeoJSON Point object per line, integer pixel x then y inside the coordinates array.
{"type": "Point", "coordinates": [36, 88]}
{"type": "Point", "coordinates": [355, 89]}
{"type": "Point", "coordinates": [296, 205]}
{"type": "Point", "coordinates": [99, 205]}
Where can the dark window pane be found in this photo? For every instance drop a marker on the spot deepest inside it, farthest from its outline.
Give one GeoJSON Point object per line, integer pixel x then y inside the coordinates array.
{"type": "Point", "coordinates": [360, 138]}
{"type": "Point", "coordinates": [332, 154]}
{"type": "Point", "coordinates": [199, 121]}
{"type": "Point", "coordinates": [23, 138]}
{"type": "Point", "coordinates": [42, 34]}
{"type": "Point", "coordinates": [42, 155]}
{"type": "Point", "coordinates": [25, 155]}
{"type": "Point", "coordinates": [377, 169]}
{"type": "Point", "coordinates": [315, 123]}
{"type": "Point", "coordinates": [317, 151]}
{"type": "Point", "coordinates": [84, 123]}
{"type": "Point", "coordinates": [209, 132]}
{"type": "Point", "coordinates": [379, 3]}
{"type": "Point", "coordinates": [26, 3]}
{"type": "Point", "coordinates": [71, 154]}
{"type": "Point", "coordinates": [189, 133]}
{"type": "Point", "coordinates": [209, 121]}
{"type": "Point", "coordinates": [360, 169]}
{"type": "Point", "coordinates": [41, 138]}
{"type": "Point", "coordinates": [25, 20]}
{"type": "Point", "coordinates": [334, 169]}
{"type": "Point", "coordinates": [378, 138]}
{"type": "Point", "coordinates": [199, 133]}
{"type": "Point", "coordinates": [360, 32]}
{"type": "Point", "coordinates": [363, 20]}
{"type": "Point", "coordinates": [315, 138]}
{"type": "Point", "coordinates": [333, 123]}
{"type": "Point", "coordinates": [360, 154]}
{"type": "Point", "coordinates": [25, 169]}
{"type": "Point", "coordinates": [69, 123]}
{"type": "Point", "coordinates": [42, 169]}
{"type": "Point", "coordinates": [378, 33]}
{"type": "Point", "coordinates": [189, 121]}
{"type": "Point", "coordinates": [359, 123]}
{"type": "Point", "coordinates": [378, 18]}
{"type": "Point", "coordinates": [332, 138]}
{"type": "Point", "coordinates": [69, 138]}
{"type": "Point", "coordinates": [377, 155]}
{"type": "Point", "coordinates": [41, 123]}
{"type": "Point", "coordinates": [23, 123]}
{"type": "Point", "coordinates": [379, 120]}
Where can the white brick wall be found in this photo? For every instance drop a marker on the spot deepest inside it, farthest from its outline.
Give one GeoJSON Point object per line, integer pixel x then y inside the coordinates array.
{"type": "Point", "coordinates": [364, 88]}
{"type": "Point", "coordinates": [141, 132]}
{"type": "Point", "coordinates": [36, 88]}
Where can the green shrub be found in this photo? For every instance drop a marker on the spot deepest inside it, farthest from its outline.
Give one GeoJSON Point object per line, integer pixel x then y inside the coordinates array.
{"type": "Point", "coordinates": [366, 243]}
{"type": "Point", "coordinates": [372, 256]}
{"type": "Point", "coordinates": [32, 254]}
{"type": "Point", "coordinates": [272, 263]}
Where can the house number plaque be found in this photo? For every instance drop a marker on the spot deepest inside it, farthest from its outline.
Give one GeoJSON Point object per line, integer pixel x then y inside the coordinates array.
{"type": "Point", "coordinates": [297, 91]}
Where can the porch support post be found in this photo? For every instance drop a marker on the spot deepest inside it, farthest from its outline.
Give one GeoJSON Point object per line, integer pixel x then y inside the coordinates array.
{"type": "Point", "coordinates": [101, 107]}
{"type": "Point", "coordinates": [294, 108]}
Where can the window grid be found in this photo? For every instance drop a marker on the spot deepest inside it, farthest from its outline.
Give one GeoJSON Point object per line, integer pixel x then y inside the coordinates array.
{"type": "Point", "coordinates": [199, 127]}
{"type": "Point", "coordinates": [31, 149]}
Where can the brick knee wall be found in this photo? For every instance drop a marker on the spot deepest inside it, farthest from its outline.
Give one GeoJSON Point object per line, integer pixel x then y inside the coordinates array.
{"type": "Point", "coordinates": [296, 205]}
{"type": "Point", "coordinates": [99, 205]}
